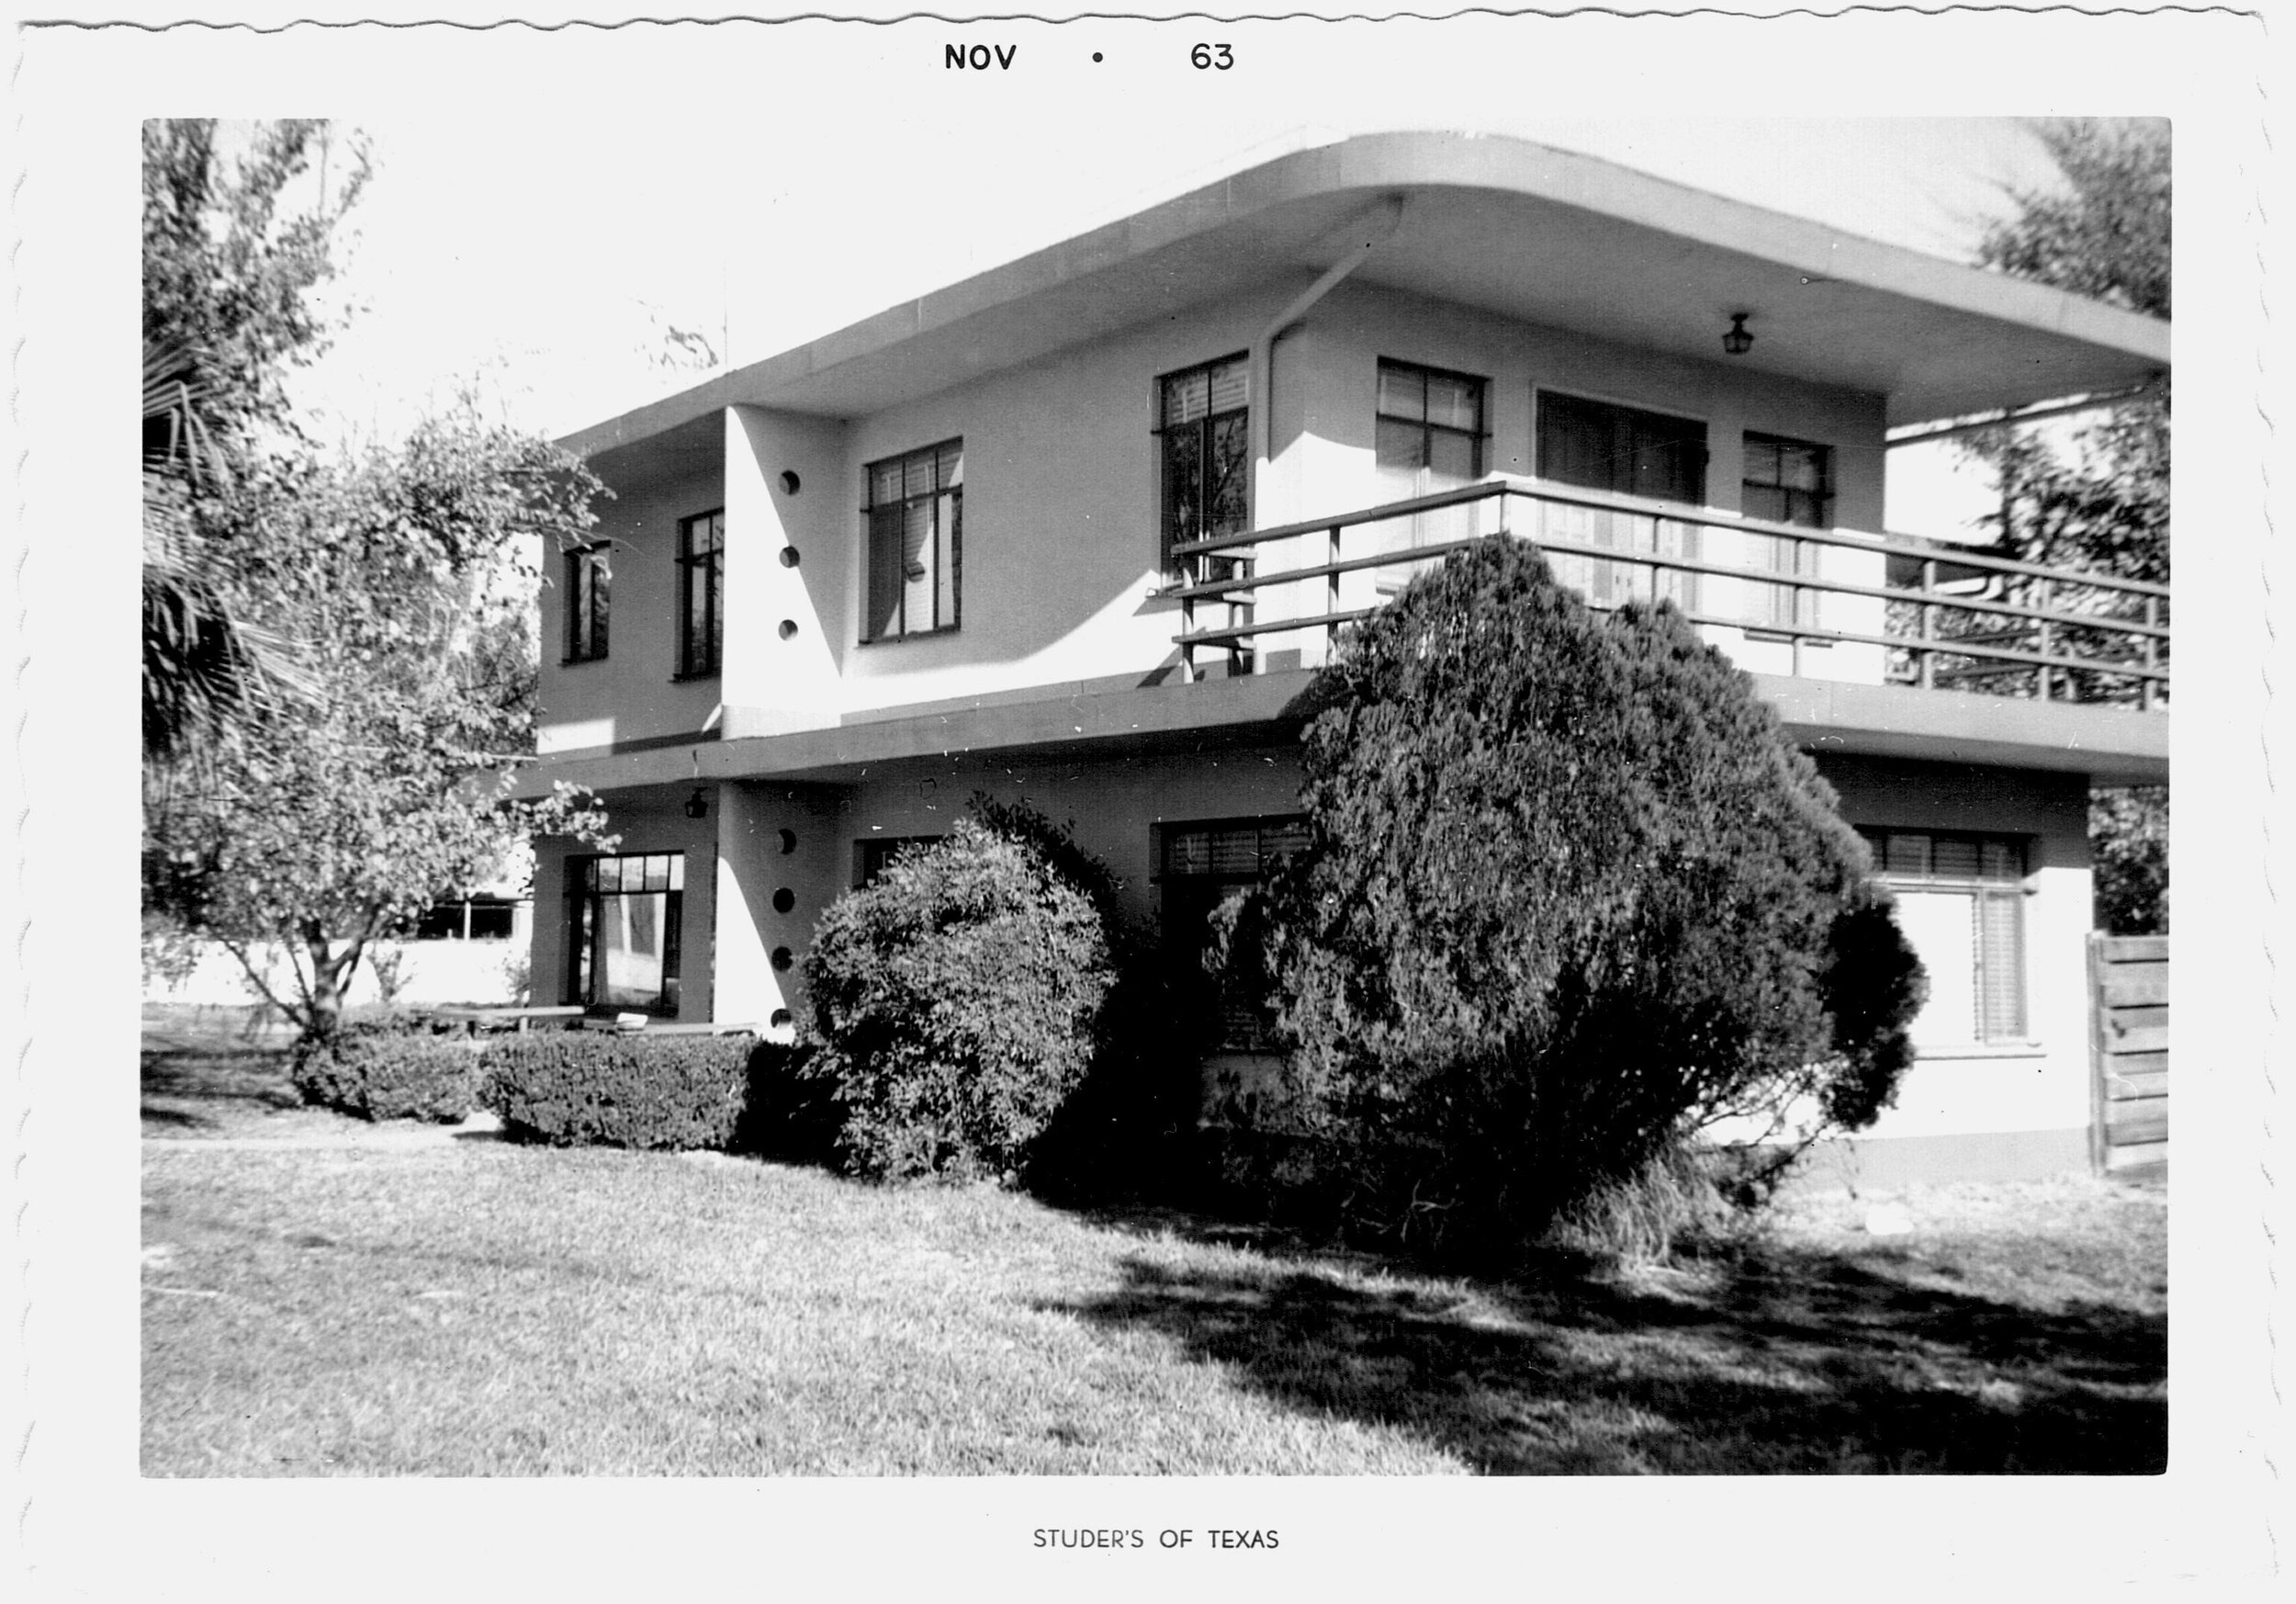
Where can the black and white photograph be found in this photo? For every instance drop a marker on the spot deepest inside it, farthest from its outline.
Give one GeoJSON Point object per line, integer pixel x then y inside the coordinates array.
{"type": "Point", "coordinates": [1150, 802]}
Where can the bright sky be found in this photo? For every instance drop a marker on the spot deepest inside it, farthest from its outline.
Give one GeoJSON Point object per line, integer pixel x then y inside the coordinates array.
{"type": "Point", "coordinates": [544, 261]}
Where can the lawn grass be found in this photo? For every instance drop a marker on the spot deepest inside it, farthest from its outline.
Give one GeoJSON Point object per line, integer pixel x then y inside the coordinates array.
{"type": "Point", "coordinates": [356, 1299]}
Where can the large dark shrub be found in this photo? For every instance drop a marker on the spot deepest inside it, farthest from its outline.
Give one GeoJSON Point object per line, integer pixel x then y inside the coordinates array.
{"type": "Point", "coordinates": [954, 1001]}
{"type": "Point", "coordinates": [591, 1088]}
{"type": "Point", "coordinates": [387, 1067]}
{"type": "Point", "coordinates": [1570, 894]}
{"type": "Point", "coordinates": [789, 1108]}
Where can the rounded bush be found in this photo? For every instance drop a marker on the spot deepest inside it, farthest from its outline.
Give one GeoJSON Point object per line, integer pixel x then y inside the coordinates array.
{"type": "Point", "coordinates": [954, 1002]}
{"type": "Point", "coordinates": [382, 1072]}
{"type": "Point", "coordinates": [1569, 894]}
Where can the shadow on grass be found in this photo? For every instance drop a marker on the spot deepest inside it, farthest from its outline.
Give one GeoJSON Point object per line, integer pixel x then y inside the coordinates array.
{"type": "Point", "coordinates": [1790, 1365]}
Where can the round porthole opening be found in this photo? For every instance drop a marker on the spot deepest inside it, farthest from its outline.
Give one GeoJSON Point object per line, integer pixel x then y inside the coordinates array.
{"type": "Point", "coordinates": [783, 957]}
{"type": "Point", "coordinates": [789, 842]}
{"type": "Point", "coordinates": [784, 900]}
{"type": "Point", "coordinates": [789, 628]}
{"type": "Point", "coordinates": [781, 1016]}
{"type": "Point", "coordinates": [789, 557]}
{"type": "Point", "coordinates": [789, 483]}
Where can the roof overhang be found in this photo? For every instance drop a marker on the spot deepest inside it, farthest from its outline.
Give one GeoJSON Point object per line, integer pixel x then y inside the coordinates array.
{"type": "Point", "coordinates": [1520, 229]}
{"type": "Point", "coordinates": [1082, 722]}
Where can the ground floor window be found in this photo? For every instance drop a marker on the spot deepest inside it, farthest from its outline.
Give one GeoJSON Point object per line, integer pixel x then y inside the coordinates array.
{"type": "Point", "coordinates": [1960, 903]}
{"type": "Point", "coordinates": [624, 917]}
{"type": "Point", "coordinates": [471, 918]}
{"type": "Point", "coordinates": [871, 854]}
{"type": "Point", "coordinates": [1197, 865]}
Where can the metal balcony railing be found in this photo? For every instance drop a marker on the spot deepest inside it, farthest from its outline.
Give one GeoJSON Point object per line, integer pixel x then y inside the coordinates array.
{"type": "Point", "coordinates": [1881, 608]}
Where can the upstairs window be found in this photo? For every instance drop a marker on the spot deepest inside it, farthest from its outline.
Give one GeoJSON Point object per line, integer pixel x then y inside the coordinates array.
{"type": "Point", "coordinates": [700, 594]}
{"type": "Point", "coordinates": [1430, 429]}
{"type": "Point", "coordinates": [1429, 437]}
{"type": "Point", "coordinates": [914, 507]}
{"type": "Point", "coordinates": [1599, 445]}
{"type": "Point", "coordinates": [1203, 432]}
{"type": "Point", "coordinates": [625, 915]}
{"type": "Point", "coordinates": [1960, 903]}
{"type": "Point", "coordinates": [1785, 481]}
{"type": "Point", "coordinates": [589, 581]}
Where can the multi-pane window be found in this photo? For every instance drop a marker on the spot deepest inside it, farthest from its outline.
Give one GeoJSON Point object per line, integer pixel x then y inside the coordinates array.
{"type": "Point", "coordinates": [701, 594]}
{"type": "Point", "coordinates": [1199, 865]}
{"type": "Point", "coordinates": [1429, 437]}
{"type": "Point", "coordinates": [1601, 445]}
{"type": "Point", "coordinates": [914, 507]}
{"type": "Point", "coordinates": [1203, 419]}
{"type": "Point", "coordinates": [589, 582]}
{"type": "Point", "coordinates": [477, 919]}
{"type": "Point", "coordinates": [1960, 903]}
{"type": "Point", "coordinates": [624, 917]}
{"type": "Point", "coordinates": [1785, 481]}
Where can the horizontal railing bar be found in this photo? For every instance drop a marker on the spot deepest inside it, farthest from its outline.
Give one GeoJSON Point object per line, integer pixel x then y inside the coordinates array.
{"type": "Point", "coordinates": [1940, 646]}
{"type": "Point", "coordinates": [1326, 570]}
{"type": "Point", "coordinates": [1280, 627]}
{"type": "Point", "coordinates": [1676, 565]}
{"type": "Point", "coordinates": [1675, 513]}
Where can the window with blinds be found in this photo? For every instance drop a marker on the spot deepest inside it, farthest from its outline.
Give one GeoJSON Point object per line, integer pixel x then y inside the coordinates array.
{"type": "Point", "coordinates": [914, 507]}
{"type": "Point", "coordinates": [1960, 903]}
{"type": "Point", "coordinates": [1603, 445]}
{"type": "Point", "coordinates": [1203, 433]}
{"type": "Point", "coordinates": [1197, 865]}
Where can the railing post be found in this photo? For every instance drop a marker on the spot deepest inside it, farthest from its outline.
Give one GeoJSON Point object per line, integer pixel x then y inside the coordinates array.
{"type": "Point", "coordinates": [1330, 595]}
{"type": "Point", "coordinates": [1188, 627]}
{"type": "Point", "coordinates": [2041, 589]}
{"type": "Point", "coordinates": [1927, 673]}
{"type": "Point", "coordinates": [2152, 655]}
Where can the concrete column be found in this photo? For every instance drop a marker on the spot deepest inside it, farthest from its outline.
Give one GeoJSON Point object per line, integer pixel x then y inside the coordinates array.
{"type": "Point", "coordinates": [790, 527]}
{"type": "Point", "coordinates": [781, 861]}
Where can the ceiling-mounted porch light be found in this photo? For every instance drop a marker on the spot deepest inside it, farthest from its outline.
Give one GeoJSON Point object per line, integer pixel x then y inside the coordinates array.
{"type": "Point", "coordinates": [1738, 342]}
{"type": "Point", "coordinates": [697, 807]}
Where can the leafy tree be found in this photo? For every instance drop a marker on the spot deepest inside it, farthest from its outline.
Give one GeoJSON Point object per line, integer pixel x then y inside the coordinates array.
{"type": "Point", "coordinates": [231, 253]}
{"type": "Point", "coordinates": [2103, 503]}
{"type": "Point", "coordinates": [1570, 896]}
{"type": "Point", "coordinates": [330, 820]}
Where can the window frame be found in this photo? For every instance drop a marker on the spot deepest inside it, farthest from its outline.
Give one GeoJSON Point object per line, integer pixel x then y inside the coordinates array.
{"type": "Point", "coordinates": [1782, 608]}
{"type": "Point", "coordinates": [2008, 889]}
{"type": "Point", "coordinates": [872, 854]}
{"type": "Point", "coordinates": [932, 496]}
{"type": "Point", "coordinates": [1479, 436]}
{"type": "Point", "coordinates": [583, 896]}
{"type": "Point", "coordinates": [589, 601]}
{"type": "Point", "coordinates": [706, 660]}
{"type": "Point", "coordinates": [1168, 534]}
{"type": "Point", "coordinates": [1623, 412]}
{"type": "Point", "coordinates": [1239, 1031]}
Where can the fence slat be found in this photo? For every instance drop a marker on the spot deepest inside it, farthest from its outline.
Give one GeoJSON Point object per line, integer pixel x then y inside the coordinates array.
{"type": "Point", "coordinates": [2128, 984]}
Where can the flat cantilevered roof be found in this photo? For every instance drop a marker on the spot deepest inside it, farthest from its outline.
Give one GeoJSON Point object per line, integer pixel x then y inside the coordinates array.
{"type": "Point", "coordinates": [1520, 229]}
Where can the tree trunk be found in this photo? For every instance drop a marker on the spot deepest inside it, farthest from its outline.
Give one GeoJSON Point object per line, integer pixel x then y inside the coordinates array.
{"type": "Point", "coordinates": [331, 975]}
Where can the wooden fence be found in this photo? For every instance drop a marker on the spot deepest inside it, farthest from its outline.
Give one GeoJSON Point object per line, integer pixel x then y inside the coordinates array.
{"type": "Point", "coordinates": [2128, 1054]}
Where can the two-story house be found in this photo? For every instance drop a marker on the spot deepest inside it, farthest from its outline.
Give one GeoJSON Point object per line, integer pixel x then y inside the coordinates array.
{"type": "Point", "coordinates": [1080, 528]}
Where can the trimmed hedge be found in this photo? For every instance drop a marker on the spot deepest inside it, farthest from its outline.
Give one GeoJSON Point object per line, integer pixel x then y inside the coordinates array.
{"type": "Point", "coordinates": [381, 1069]}
{"type": "Point", "coordinates": [584, 1087]}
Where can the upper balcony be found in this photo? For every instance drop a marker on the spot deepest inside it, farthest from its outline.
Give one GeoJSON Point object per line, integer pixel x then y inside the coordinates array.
{"type": "Point", "coordinates": [1777, 598]}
